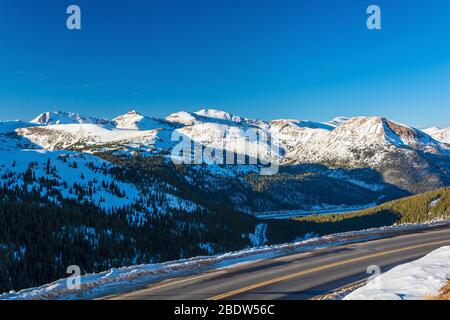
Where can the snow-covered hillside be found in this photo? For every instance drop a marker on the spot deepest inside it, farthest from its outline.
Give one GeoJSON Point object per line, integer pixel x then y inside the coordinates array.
{"type": "Point", "coordinates": [35, 163]}
{"type": "Point", "coordinates": [442, 135]}
{"type": "Point", "coordinates": [61, 117]}
{"type": "Point", "coordinates": [90, 137]}
{"type": "Point", "coordinates": [219, 114]}
{"type": "Point", "coordinates": [77, 176]}
{"type": "Point", "coordinates": [133, 120]}
{"type": "Point", "coordinates": [357, 141]}
{"type": "Point", "coordinates": [416, 280]}
{"type": "Point", "coordinates": [336, 122]}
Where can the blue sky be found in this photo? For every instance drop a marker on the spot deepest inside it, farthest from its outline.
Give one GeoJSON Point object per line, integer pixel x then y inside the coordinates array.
{"type": "Point", "coordinates": [257, 58]}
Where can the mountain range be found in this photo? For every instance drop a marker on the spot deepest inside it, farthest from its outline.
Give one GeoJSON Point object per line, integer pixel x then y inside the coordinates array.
{"type": "Point", "coordinates": [339, 140]}
{"type": "Point", "coordinates": [342, 162]}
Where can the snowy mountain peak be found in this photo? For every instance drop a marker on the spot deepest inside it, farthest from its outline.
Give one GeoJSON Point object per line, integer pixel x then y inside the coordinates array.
{"type": "Point", "coordinates": [379, 131]}
{"type": "Point", "coordinates": [218, 114]}
{"type": "Point", "coordinates": [61, 117]}
{"type": "Point", "coordinates": [211, 116]}
{"type": "Point", "coordinates": [442, 135]}
{"type": "Point", "coordinates": [432, 130]}
{"type": "Point", "coordinates": [281, 123]}
{"type": "Point", "coordinates": [183, 118]}
{"type": "Point", "coordinates": [127, 119]}
{"type": "Point", "coordinates": [357, 141]}
{"type": "Point", "coordinates": [133, 120]}
{"type": "Point", "coordinates": [370, 127]}
{"type": "Point", "coordinates": [314, 125]}
{"type": "Point", "coordinates": [133, 113]}
{"type": "Point", "coordinates": [336, 122]}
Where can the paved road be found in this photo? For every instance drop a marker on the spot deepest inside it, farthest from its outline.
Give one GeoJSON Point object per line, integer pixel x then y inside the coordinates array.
{"type": "Point", "coordinates": [297, 214]}
{"type": "Point", "coordinates": [297, 276]}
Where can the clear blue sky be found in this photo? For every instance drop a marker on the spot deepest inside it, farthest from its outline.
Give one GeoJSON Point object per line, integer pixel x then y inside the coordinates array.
{"type": "Point", "coordinates": [258, 58]}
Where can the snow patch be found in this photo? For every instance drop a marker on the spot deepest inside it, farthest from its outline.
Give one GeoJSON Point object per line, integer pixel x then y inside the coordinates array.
{"type": "Point", "coordinates": [412, 281]}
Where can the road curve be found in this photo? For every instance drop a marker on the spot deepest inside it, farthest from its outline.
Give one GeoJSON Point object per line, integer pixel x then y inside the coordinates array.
{"type": "Point", "coordinates": [296, 276]}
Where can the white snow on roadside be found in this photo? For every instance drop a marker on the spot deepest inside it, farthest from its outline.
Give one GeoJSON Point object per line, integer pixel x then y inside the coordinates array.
{"type": "Point", "coordinates": [128, 278]}
{"type": "Point", "coordinates": [412, 281]}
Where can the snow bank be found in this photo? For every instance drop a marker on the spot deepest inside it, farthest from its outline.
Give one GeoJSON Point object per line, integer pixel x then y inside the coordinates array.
{"type": "Point", "coordinates": [411, 281]}
{"type": "Point", "coordinates": [129, 278]}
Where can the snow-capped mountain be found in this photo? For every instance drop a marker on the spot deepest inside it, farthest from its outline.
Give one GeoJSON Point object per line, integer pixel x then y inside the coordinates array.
{"type": "Point", "coordinates": [61, 117]}
{"type": "Point", "coordinates": [202, 116]}
{"type": "Point", "coordinates": [386, 146]}
{"type": "Point", "coordinates": [337, 121]}
{"type": "Point", "coordinates": [439, 134]}
{"type": "Point", "coordinates": [341, 140]}
{"type": "Point", "coordinates": [133, 120]}
{"type": "Point", "coordinates": [128, 132]}
{"type": "Point", "coordinates": [89, 138]}
{"type": "Point", "coordinates": [354, 142]}
{"type": "Point", "coordinates": [358, 141]}
{"type": "Point", "coordinates": [219, 114]}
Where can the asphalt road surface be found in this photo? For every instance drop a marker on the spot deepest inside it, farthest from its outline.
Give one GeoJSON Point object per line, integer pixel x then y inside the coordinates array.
{"type": "Point", "coordinates": [296, 276]}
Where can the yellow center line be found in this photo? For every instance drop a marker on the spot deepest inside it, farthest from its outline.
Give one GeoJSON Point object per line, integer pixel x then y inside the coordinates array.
{"type": "Point", "coordinates": [329, 266]}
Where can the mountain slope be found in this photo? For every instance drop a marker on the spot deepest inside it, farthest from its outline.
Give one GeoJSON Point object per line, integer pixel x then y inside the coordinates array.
{"type": "Point", "coordinates": [405, 157]}
{"type": "Point", "coordinates": [86, 137]}
{"type": "Point", "coordinates": [133, 120]}
{"type": "Point", "coordinates": [442, 135]}
{"type": "Point", "coordinates": [61, 117]}
{"type": "Point", "coordinates": [421, 208]}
